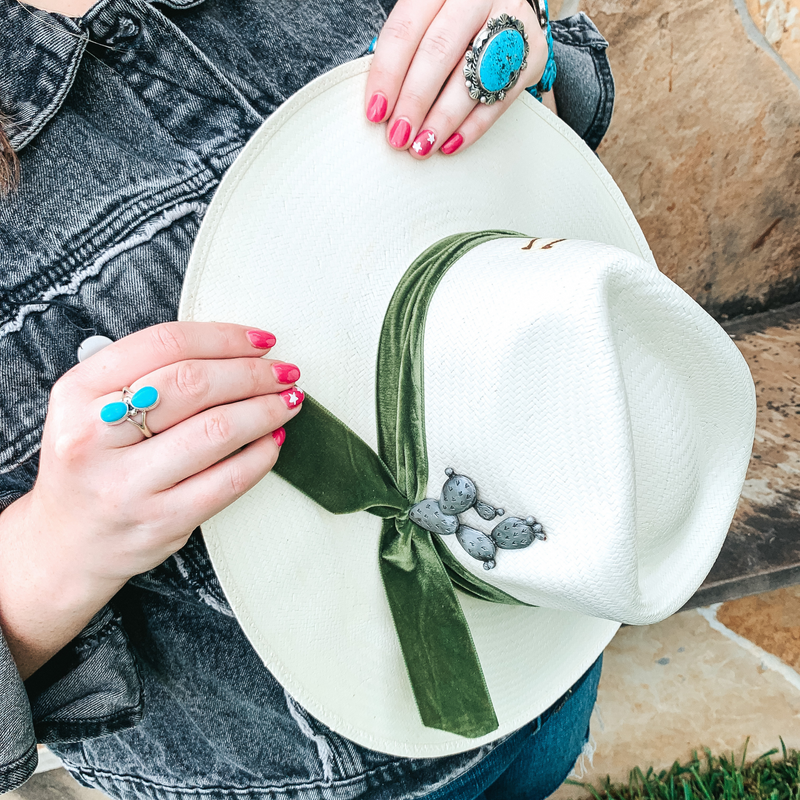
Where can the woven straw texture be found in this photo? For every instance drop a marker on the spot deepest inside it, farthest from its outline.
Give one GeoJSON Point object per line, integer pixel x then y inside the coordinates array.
{"type": "Point", "coordinates": [574, 383]}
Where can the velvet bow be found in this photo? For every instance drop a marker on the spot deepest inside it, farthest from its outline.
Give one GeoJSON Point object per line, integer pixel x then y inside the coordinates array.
{"type": "Point", "coordinates": [334, 467]}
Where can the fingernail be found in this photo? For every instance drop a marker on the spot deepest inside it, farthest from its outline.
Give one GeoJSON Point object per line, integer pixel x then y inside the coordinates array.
{"type": "Point", "coordinates": [376, 110]}
{"type": "Point", "coordinates": [261, 339]}
{"type": "Point", "coordinates": [293, 397]}
{"type": "Point", "coordinates": [424, 142]}
{"type": "Point", "coordinates": [286, 373]}
{"type": "Point", "coordinates": [279, 436]}
{"type": "Point", "coordinates": [401, 130]}
{"type": "Point", "coordinates": [452, 144]}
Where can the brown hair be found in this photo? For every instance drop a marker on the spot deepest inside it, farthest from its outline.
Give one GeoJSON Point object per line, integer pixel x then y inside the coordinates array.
{"type": "Point", "coordinates": [9, 165]}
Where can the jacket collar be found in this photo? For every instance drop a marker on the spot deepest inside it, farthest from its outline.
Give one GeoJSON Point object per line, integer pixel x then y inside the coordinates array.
{"type": "Point", "coordinates": [39, 56]}
{"type": "Point", "coordinates": [40, 53]}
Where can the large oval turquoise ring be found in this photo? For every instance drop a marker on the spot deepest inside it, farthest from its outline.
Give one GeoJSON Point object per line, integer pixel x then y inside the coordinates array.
{"type": "Point", "coordinates": [132, 408]}
{"type": "Point", "coordinates": [496, 58]}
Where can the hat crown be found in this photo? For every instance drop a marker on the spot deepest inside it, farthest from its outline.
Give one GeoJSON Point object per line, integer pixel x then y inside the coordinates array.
{"type": "Point", "coordinates": [596, 398]}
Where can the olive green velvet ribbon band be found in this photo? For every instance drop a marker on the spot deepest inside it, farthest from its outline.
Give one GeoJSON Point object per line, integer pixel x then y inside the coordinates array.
{"type": "Point", "coordinates": [333, 466]}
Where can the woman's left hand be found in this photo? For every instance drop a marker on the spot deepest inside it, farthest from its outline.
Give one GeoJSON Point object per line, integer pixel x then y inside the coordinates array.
{"type": "Point", "coordinates": [416, 81]}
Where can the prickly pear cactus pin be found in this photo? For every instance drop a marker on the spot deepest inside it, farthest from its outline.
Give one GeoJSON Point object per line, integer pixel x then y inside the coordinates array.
{"type": "Point", "coordinates": [459, 494]}
{"type": "Point", "coordinates": [515, 533]}
{"type": "Point", "coordinates": [478, 545]}
{"type": "Point", "coordinates": [428, 515]}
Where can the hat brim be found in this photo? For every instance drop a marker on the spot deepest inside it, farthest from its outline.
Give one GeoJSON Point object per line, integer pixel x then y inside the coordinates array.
{"type": "Point", "coordinates": [307, 236]}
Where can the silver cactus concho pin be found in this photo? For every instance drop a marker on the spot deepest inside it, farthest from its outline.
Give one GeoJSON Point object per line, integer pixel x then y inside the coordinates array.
{"type": "Point", "coordinates": [459, 494]}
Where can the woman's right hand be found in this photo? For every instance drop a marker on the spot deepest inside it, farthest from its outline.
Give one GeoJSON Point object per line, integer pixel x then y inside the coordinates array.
{"type": "Point", "coordinates": [108, 503]}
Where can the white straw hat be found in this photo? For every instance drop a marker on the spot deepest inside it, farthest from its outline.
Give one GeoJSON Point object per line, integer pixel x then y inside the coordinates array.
{"type": "Point", "coordinates": [570, 380]}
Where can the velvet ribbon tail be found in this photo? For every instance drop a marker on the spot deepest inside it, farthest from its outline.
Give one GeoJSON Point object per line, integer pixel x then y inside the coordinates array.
{"type": "Point", "coordinates": [333, 466]}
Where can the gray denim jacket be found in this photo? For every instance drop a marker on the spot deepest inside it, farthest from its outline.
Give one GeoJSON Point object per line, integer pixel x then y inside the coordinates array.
{"type": "Point", "coordinates": [125, 122]}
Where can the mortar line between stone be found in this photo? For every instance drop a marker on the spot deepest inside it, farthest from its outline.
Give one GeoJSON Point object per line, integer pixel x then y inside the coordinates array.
{"type": "Point", "coordinates": [767, 660]}
{"type": "Point", "coordinates": [755, 35]}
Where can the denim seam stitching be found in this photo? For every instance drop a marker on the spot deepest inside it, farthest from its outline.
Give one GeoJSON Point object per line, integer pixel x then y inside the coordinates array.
{"type": "Point", "coordinates": [133, 779]}
{"type": "Point", "coordinates": [112, 717]}
{"type": "Point", "coordinates": [24, 757]}
{"type": "Point", "coordinates": [24, 764]}
{"type": "Point", "coordinates": [121, 225]}
{"type": "Point", "coordinates": [96, 638]}
{"type": "Point", "coordinates": [197, 583]}
{"type": "Point", "coordinates": [602, 115]}
{"type": "Point", "coordinates": [27, 443]}
{"type": "Point", "coordinates": [573, 34]}
{"type": "Point", "coordinates": [242, 139]}
{"type": "Point", "coordinates": [569, 42]}
{"type": "Point", "coordinates": [238, 100]}
{"type": "Point", "coordinates": [198, 182]}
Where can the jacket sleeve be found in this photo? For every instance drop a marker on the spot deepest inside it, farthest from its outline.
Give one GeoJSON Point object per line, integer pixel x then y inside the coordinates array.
{"type": "Point", "coordinates": [584, 86]}
{"type": "Point", "coordinates": [90, 688]}
{"type": "Point", "coordinates": [18, 757]}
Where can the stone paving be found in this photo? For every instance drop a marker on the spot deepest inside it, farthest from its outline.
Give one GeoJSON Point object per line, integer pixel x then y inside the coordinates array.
{"type": "Point", "coordinates": [54, 785]}
{"type": "Point", "coordinates": [708, 677]}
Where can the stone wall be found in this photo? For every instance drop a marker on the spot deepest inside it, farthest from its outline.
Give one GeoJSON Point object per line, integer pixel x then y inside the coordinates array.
{"type": "Point", "coordinates": [705, 141]}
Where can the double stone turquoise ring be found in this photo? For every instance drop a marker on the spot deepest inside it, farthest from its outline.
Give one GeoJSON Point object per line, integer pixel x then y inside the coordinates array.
{"type": "Point", "coordinates": [133, 407]}
{"type": "Point", "coordinates": [496, 58]}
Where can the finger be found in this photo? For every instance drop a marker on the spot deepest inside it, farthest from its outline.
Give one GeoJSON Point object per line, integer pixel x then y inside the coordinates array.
{"type": "Point", "coordinates": [397, 43]}
{"type": "Point", "coordinates": [448, 113]}
{"type": "Point", "coordinates": [209, 437]}
{"type": "Point", "coordinates": [441, 49]}
{"type": "Point", "coordinates": [125, 361]}
{"type": "Point", "coordinates": [207, 493]}
{"type": "Point", "coordinates": [189, 387]}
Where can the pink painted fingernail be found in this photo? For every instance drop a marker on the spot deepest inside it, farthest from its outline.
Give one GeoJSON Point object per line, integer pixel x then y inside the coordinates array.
{"type": "Point", "coordinates": [424, 142]}
{"type": "Point", "coordinates": [293, 397]}
{"type": "Point", "coordinates": [279, 436]}
{"type": "Point", "coordinates": [401, 130]}
{"type": "Point", "coordinates": [376, 110]}
{"type": "Point", "coordinates": [286, 373]}
{"type": "Point", "coordinates": [261, 339]}
{"type": "Point", "coordinates": [452, 144]}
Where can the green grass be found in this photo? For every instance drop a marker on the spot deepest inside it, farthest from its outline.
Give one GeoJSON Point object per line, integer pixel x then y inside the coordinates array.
{"type": "Point", "coordinates": [712, 778]}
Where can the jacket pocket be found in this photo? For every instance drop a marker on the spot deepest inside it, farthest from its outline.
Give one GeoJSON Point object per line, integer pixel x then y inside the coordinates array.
{"type": "Point", "coordinates": [584, 85]}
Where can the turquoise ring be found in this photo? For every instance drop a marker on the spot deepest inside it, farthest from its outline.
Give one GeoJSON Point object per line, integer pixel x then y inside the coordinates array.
{"type": "Point", "coordinates": [132, 408]}
{"type": "Point", "coordinates": [496, 58]}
